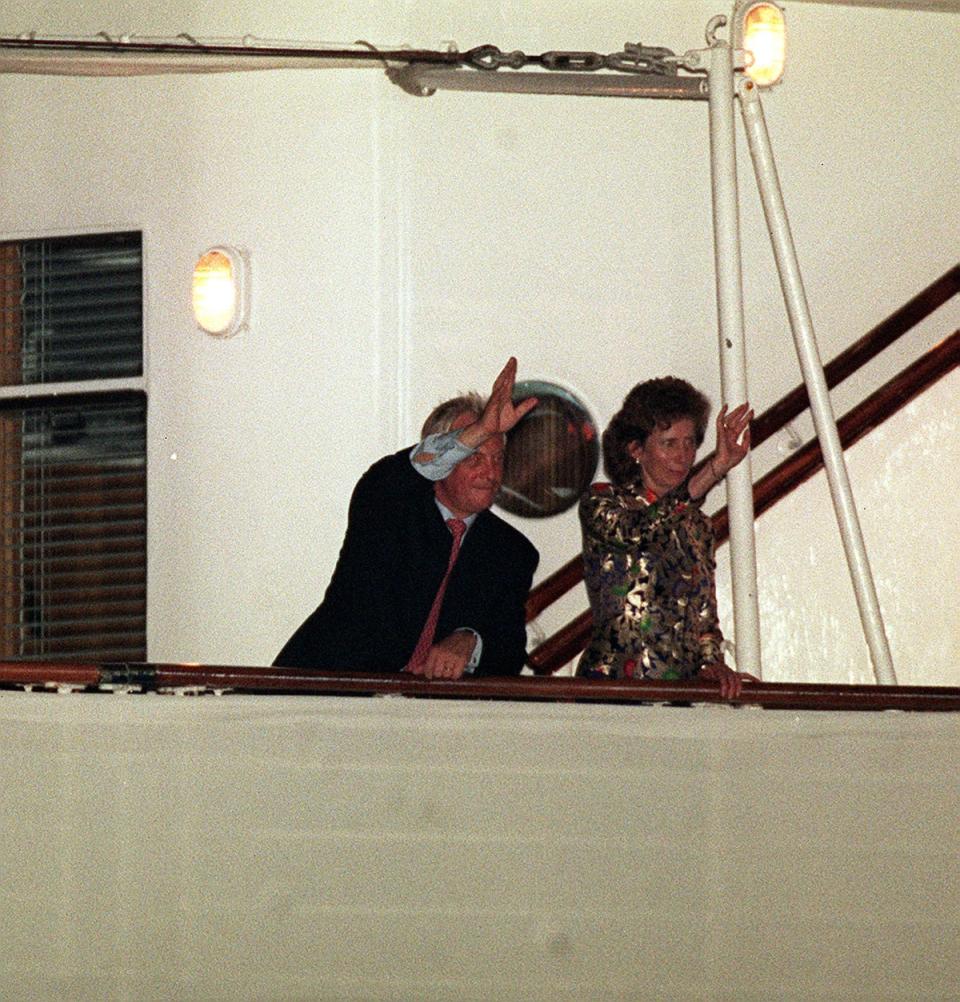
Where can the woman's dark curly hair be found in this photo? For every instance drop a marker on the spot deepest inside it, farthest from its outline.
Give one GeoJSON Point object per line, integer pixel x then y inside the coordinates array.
{"type": "Point", "coordinates": [657, 403]}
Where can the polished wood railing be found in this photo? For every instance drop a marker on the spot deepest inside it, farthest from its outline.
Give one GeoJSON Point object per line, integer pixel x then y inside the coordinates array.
{"type": "Point", "coordinates": [867, 415]}
{"type": "Point", "coordinates": [567, 642]}
{"type": "Point", "coordinates": [775, 418]}
{"type": "Point", "coordinates": [238, 680]}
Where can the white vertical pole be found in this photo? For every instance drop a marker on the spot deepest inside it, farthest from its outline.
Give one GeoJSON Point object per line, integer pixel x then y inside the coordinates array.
{"type": "Point", "coordinates": [733, 355]}
{"type": "Point", "coordinates": [812, 368]}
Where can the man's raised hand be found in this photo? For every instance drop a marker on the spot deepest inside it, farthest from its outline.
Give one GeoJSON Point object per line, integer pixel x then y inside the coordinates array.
{"type": "Point", "coordinates": [501, 414]}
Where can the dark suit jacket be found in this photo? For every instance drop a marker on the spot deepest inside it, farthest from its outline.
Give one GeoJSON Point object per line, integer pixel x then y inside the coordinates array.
{"type": "Point", "coordinates": [393, 558]}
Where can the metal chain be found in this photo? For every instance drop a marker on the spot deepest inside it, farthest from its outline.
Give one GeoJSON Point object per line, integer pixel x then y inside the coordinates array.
{"type": "Point", "coordinates": [638, 58]}
{"type": "Point", "coordinates": [634, 58]}
{"type": "Point", "coordinates": [489, 57]}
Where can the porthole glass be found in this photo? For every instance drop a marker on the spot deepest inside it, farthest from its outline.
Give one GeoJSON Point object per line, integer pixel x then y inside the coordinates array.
{"type": "Point", "coordinates": [552, 454]}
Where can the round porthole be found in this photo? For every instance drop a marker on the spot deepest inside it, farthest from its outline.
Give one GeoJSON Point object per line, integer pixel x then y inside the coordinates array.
{"type": "Point", "coordinates": [552, 454]}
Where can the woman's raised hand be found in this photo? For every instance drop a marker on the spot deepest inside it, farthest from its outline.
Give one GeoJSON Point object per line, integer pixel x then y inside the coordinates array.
{"type": "Point", "coordinates": [733, 438]}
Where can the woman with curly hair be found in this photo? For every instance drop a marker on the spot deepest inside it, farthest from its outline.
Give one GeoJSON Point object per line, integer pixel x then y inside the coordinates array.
{"type": "Point", "coordinates": [648, 549]}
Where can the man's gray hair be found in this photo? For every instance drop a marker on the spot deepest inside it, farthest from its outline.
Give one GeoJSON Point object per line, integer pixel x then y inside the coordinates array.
{"type": "Point", "coordinates": [442, 416]}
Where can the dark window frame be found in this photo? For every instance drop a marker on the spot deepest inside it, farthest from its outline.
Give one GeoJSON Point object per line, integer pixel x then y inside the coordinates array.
{"type": "Point", "coordinates": [73, 462]}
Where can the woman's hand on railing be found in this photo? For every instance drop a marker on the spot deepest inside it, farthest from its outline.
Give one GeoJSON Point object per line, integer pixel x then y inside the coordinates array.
{"type": "Point", "coordinates": [731, 682]}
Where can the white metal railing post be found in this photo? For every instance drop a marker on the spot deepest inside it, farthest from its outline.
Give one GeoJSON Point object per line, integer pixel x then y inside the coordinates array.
{"type": "Point", "coordinates": [733, 356]}
{"type": "Point", "coordinates": [823, 418]}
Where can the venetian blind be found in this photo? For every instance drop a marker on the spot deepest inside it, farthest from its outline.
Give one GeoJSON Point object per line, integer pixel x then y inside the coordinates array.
{"type": "Point", "coordinates": [73, 466]}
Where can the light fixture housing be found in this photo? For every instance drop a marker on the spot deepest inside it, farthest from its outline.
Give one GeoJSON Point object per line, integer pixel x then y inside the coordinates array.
{"type": "Point", "coordinates": [760, 30]}
{"type": "Point", "coordinates": [221, 291]}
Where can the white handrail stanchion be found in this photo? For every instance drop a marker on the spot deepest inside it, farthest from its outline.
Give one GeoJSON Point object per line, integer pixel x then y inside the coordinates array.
{"type": "Point", "coordinates": [733, 356]}
{"type": "Point", "coordinates": [816, 383]}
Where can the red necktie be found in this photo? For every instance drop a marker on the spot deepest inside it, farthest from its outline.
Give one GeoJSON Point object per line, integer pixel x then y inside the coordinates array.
{"type": "Point", "coordinates": [457, 528]}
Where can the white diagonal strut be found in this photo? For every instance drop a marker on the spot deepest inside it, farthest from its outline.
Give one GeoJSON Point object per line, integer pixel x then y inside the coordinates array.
{"type": "Point", "coordinates": [820, 407]}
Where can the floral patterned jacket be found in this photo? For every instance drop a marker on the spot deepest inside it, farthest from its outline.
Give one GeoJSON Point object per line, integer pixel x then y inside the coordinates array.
{"type": "Point", "coordinates": [649, 569]}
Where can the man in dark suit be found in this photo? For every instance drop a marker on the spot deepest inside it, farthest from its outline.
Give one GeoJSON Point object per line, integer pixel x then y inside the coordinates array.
{"type": "Point", "coordinates": [428, 579]}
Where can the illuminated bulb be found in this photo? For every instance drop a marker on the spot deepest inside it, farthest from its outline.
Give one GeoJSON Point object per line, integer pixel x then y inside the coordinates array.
{"type": "Point", "coordinates": [764, 38]}
{"type": "Point", "coordinates": [218, 291]}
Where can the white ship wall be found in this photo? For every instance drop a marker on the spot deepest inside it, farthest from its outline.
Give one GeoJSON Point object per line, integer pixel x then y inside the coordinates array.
{"type": "Point", "coordinates": [401, 248]}
{"type": "Point", "coordinates": [356, 850]}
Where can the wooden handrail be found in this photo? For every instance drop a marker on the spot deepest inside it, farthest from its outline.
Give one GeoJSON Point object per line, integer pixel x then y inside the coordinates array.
{"type": "Point", "coordinates": [871, 412]}
{"type": "Point", "coordinates": [569, 641]}
{"type": "Point", "coordinates": [859, 353]}
{"type": "Point", "coordinates": [245, 680]}
{"type": "Point", "coordinates": [776, 417]}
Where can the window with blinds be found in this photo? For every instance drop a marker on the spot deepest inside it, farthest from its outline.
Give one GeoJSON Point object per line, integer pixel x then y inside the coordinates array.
{"type": "Point", "coordinates": [73, 464]}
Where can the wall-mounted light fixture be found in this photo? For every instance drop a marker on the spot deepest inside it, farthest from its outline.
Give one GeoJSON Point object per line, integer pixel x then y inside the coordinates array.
{"type": "Point", "coordinates": [221, 291]}
{"type": "Point", "coordinates": [760, 30]}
